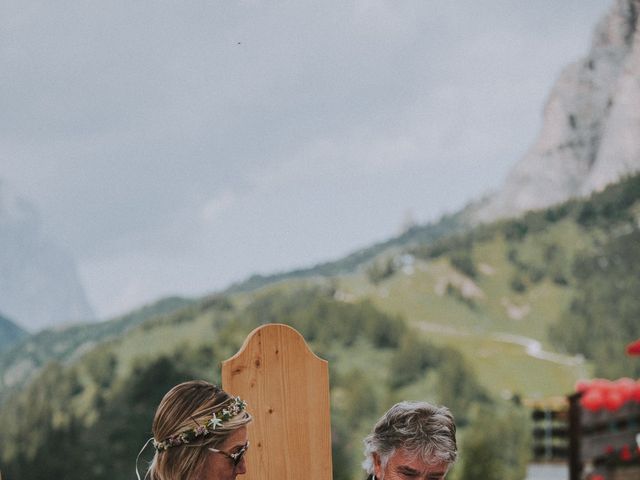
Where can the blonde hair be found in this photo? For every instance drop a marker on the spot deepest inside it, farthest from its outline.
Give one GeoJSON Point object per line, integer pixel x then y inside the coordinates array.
{"type": "Point", "coordinates": [185, 406]}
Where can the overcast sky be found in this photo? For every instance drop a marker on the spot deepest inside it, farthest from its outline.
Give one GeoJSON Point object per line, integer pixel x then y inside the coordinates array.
{"type": "Point", "coordinates": [174, 147]}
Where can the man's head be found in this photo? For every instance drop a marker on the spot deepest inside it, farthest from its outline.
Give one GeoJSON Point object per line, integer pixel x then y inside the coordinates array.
{"type": "Point", "coordinates": [414, 440]}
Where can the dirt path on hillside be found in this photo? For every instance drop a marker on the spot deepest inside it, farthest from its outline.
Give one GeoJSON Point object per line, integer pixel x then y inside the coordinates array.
{"type": "Point", "coordinates": [532, 347]}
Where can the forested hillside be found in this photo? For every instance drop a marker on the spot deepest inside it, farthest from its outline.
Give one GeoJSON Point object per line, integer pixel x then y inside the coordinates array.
{"type": "Point", "coordinates": [455, 320]}
{"type": "Point", "coordinates": [49, 429]}
{"type": "Point", "coordinates": [19, 364]}
{"type": "Point", "coordinates": [552, 276]}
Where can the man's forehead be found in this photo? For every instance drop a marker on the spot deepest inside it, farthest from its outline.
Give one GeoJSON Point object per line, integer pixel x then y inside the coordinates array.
{"type": "Point", "coordinates": [405, 461]}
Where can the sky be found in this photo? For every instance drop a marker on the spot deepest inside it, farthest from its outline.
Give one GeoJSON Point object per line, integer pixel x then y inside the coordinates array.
{"type": "Point", "coordinates": [175, 147]}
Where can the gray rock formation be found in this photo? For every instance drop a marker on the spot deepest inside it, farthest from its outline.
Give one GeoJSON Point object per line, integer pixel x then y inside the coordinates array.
{"type": "Point", "coordinates": [591, 127]}
{"type": "Point", "coordinates": [39, 284]}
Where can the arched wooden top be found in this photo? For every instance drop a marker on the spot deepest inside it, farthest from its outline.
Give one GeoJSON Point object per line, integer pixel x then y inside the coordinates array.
{"type": "Point", "coordinates": [279, 330]}
{"type": "Point", "coordinates": [286, 387]}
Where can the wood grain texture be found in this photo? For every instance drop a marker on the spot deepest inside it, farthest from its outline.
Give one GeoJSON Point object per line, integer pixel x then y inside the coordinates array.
{"type": "Point", "coordinates": [286, 387]}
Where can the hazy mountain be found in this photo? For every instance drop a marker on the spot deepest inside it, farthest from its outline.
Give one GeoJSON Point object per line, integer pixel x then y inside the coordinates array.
{"type": "Point", "coordinates": [590, 135]}
{"type": "Point", "coordinates": [39, 284]}
{"type": "Point", "coordinates": [10, 333]}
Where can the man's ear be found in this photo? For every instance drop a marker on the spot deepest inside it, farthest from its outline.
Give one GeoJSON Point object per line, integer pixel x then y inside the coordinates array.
{"type": "Point", "coordinates": [377, 466]}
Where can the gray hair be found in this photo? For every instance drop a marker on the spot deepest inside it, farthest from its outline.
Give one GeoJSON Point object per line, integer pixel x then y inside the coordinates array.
{"type": "Point", "coordinates": [419, 428]}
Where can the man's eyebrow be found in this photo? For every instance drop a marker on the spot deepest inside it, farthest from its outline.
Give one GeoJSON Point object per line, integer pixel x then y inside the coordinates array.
{"type": "Point", "coordinates": [407, 469]}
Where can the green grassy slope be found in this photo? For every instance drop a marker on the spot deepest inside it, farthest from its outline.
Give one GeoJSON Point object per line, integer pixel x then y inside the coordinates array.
{"type": "Point", "coordinates": [473, 315]}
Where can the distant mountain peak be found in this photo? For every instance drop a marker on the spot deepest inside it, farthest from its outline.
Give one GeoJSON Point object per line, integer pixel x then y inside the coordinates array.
{"type": "Point", "coordinates": [590, 135]}
{"type": "Point", "coordinates": [10, 333]}
{"type": "Point", "coordinates": [39, 284]}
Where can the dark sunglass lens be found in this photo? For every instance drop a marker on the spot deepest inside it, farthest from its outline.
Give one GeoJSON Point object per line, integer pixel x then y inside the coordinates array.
{"type": "Point", "coordinates": [237, 458]}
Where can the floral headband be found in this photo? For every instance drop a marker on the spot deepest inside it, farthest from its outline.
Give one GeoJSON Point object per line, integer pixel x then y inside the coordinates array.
{"type": "Point", "coordinates": [217, 419]}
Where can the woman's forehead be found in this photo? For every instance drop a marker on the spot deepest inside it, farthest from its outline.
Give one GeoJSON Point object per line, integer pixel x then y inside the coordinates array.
{"type": "Point", "coordinates": [237, 438]}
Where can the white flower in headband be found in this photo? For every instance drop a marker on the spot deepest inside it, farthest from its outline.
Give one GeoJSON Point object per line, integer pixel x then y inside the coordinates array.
{"type": "Point", "coordinates": [237, 406]}
{"type": "Point", "coordinates": [214, 422]}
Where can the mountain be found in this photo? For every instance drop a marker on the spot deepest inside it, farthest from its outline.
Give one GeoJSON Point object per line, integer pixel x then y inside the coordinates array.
{"type": "Point", "coordinates": [39, 283]}
{"type": "Point", "coordinates": [494, 288]}
{"type": "Point", "coordinates": [10, 333]}
{"type": "Point", "coordinates": [590, 138]}
{"type": "Point", "coordinates": [590, 135]}
{"type": "Point", "coordinates": [416, 234]}
{"type": "Point", "coordinates": [18, 365]}
{"type": "Point", "coordinates": [456, 320]}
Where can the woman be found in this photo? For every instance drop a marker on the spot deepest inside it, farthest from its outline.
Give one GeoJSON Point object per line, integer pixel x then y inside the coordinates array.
{"type": "Point", "coordinates": [199, 433]}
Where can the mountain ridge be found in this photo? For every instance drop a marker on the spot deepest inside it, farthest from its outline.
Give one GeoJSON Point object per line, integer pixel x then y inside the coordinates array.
{"type": "Point", "coordinates": [591, 124]}
{"type": "Point", "coordinates": [464, 286]}
{"type": "Point", "coordinates": [588, 140]}
{"type": "Point", "coordinates": [446, 225]}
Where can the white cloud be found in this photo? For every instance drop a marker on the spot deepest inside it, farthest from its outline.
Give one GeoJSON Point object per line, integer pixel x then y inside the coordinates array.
{"type": "Point", "coordinates": [217, 205]}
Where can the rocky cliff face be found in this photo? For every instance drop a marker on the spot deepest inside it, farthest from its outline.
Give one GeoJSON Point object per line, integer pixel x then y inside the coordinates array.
{"type": "Point", "coordinates": [39, 285]}
{"type": "Point", "coordinates": [591, 128]}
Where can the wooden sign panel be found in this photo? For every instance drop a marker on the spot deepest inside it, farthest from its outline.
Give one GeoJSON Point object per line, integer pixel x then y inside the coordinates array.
{"type": "Point", "coordinates": [286, 387]}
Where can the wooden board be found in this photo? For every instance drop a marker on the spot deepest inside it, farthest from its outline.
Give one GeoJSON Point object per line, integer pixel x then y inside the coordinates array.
{"type": "Point", "coordinates": [286, 387]}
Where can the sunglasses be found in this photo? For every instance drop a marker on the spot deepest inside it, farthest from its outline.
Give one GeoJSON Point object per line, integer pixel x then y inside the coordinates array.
{"type": "Point", "coordinates": [236, 457]}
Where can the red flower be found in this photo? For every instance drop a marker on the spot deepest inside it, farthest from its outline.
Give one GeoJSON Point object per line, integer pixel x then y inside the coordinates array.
{"type": "Point", "coordinates": [613, 400]}
{"type": "Point", "coordinates": [592, 400]}
{"type": "Point", "coordinates": [634, 348]}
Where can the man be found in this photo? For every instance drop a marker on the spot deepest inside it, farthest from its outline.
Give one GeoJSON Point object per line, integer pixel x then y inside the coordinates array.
{"type": "Point", "coordinates": [413, 440]}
